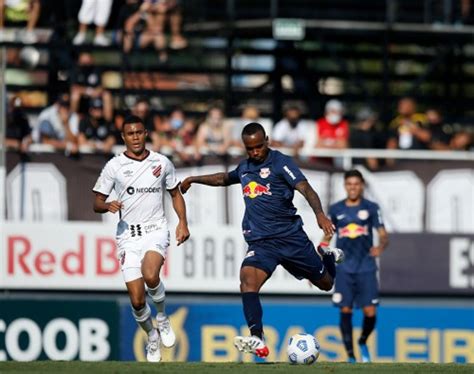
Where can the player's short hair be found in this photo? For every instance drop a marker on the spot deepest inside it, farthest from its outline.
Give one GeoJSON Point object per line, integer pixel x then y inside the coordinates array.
{"type": "Point", "coordinates": [131, 119]}
{"type": "Point", "coordinates": [253, 128]}
{"type": "Point", "coordinates": [354, 173]}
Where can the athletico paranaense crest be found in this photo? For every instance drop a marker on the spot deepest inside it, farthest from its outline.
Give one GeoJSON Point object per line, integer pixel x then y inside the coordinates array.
{"type": "Point", "coordinates": [156, 170]}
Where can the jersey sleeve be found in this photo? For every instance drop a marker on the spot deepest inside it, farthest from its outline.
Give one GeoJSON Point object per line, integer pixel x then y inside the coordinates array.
{"type": "Point", "coordinates": [290, 171]}
{"type": "Point", "coordinates": [106, 181]}
{"type": "Point", "coordinates": [234, 176]}
{"type": "Point", "coordinates": [170, 176]}
{"type": "Point", "coordinates": [376, 217]}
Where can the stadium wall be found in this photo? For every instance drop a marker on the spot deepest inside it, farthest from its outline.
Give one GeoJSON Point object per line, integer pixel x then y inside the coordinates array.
{"type": "Point", "coordinates": [82, 256]}
{"type": "Point", "coordinates": [95, 329]}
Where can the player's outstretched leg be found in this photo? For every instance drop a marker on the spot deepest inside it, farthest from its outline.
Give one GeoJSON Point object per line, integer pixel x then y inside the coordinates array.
{"type": "Point", "coordinates": [251, 280]}
{"type": "Point", "coordinates": [168, 337]}
{"type": "Point", "coordinates": [143, 318]}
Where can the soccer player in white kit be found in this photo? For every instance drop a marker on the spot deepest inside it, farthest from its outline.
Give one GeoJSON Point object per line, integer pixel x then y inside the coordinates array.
{"type": "Point", "coordinates": [139, 177]}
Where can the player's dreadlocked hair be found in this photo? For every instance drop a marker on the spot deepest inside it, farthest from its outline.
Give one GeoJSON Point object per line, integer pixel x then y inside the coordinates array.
{"type": "Point", "coordinates": [253, 128]}
{"type": "Point", "coordinates": [354, 173]}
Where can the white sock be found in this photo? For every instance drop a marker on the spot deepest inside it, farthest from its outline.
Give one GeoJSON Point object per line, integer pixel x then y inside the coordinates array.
{"type": "Point", "coordinates": [157, 294]}
{"type": "Point", "coordinates": [143, 318]}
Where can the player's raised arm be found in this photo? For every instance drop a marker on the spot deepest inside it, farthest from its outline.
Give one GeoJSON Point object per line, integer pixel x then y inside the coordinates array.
{"type": "Point", "coordinates": [101, 206]}
{"type": "Point", "coordinates": [315, 202]}
{"type": "Point", "coordinates": [216, 180]}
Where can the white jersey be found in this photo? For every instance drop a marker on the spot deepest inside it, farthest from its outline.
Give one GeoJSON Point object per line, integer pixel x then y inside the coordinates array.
{"type": "Point", "coordinates": [139, 185]}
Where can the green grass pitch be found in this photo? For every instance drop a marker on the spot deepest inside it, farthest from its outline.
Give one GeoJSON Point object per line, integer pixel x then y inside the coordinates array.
{"type": "Point", "coordinates": [180, 367]}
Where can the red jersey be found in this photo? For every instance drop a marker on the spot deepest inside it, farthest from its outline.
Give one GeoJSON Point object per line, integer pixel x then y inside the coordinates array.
{"type": "Point", "coordinates": [330, 133]}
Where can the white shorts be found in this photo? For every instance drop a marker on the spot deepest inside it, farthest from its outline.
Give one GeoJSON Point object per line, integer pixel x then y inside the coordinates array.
{"type": "Point", "coordinates": [137, 239]}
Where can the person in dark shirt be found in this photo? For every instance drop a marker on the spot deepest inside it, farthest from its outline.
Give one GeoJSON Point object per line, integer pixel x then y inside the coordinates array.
{"type": "Point", "coordinates": [441, 132]}
{"type": "Point", "coordinates": [95, 132]}
{"type": "Point", "coordinates": [356, 280]}
{"type": "Point", "coordinates": [271, 227]}
{"type": "Point", "coordinates": [409, 129]}
{"type": "Point", "coordinates": [363, 135]}
{"type": "Point", "coordinates": [18, 130]}
{"type": "Point", "coordinates": [86, 82]}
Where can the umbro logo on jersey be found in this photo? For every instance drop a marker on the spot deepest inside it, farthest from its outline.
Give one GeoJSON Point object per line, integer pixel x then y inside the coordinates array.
{"type": "Point", "coordinates": [128, 173]}
{"type": "Point", "coordinates": [156, 170]}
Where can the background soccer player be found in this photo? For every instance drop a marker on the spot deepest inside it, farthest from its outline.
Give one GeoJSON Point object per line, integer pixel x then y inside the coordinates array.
{"type": "Point", "coordinates": [272, 228]}
{"type": "Point", "coordinates": [139, 177]}
{"type": "Point", "coordinates": [356, 281]}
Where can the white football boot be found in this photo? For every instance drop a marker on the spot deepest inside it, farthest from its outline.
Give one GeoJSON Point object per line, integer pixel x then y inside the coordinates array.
{"type": "Point", "coordinates": [168, 337]}
{"type": "Point", "coordinates": [338, 253]}
{"type": "Point", "coordinates": [153, 353]}
{"type": "Point", "coordinates": [251, 344]}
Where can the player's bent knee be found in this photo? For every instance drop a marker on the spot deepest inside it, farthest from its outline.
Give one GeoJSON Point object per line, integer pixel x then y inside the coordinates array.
{"type": "Point", "coordinates": [325, 283]}
{"type": "Point", "coordinates": [151, 278]}
{"type": "Point", "coordinates": [325, 286]}
{"type": "Point", "coordinates": [138, 303]}
{"type": "Point", "coordinates": [369, 311]}
{"type": "Point", "coordinates": [249, 284]}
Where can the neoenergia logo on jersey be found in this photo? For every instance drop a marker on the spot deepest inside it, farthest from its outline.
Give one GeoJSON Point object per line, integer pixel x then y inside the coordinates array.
{"type": "Point", "coordinates": [132, 190]}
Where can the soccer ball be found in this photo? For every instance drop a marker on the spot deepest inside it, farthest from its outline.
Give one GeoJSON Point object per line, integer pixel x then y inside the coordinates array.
{"type": "Point", "coordinates": [303, 349]}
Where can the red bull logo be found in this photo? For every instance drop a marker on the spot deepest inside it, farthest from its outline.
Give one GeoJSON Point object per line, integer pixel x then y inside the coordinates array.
{"type": "Point", "coordinates": [254, 189]}
{"type": "Point", "coordinates": [352, 231]}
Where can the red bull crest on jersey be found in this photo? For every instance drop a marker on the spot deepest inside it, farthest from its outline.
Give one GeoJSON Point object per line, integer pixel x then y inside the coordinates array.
{"type": "Point", "coordinates": [353, 230]}
{"type": "Point", "coordinates": [254, 189]}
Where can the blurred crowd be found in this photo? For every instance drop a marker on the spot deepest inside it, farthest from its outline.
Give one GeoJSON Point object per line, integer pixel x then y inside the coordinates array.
{"type": "Point", "coordinates": [85, 120]}
{"type": "Point", "coordinates": [187, 138]}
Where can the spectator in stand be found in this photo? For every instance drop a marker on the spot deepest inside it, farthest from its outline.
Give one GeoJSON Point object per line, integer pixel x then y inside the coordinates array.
{"type": "Point", "coordinates": [290, 131]}
{"type": "Point", "coordinates": [409, 129]}
{"type": "Point", "coordinates": [169, 10]}
{"type": "Point", "coordinates": [18, 130]}
{"type": "Point", "coordinates": [333, 129]}
{"type": "Point", "coordinates": [58, 126]}
{"type": "Point", "coordinates": [441, 132]}
{"type": "Point", "coordinates": [129, 24]}
{"type": "Point", "coordinates": [153, 13]}
{"type": "Point", "coordinates": [212, 136]}
{"type": "Point", "coordinates": [142, 110]}
{"type": "Point", "coordinates": [188, 132]}
{"type": "Point", "coordinates": [363, 135]}
{"type": "Point", "coordinates": [118, 125]}
{"type": "Point", "coordinates": [86, 81]}
{"type": "Point", "coordinates": [20, 12]}
{"type": "Point", "coordinates": [165, 139]}
{"type": "Point", "coordinates": [95, 132]}
{"type": "Point", "coordinates": [462, 141]}
{"type": "Point", "coordinates": [250, 113]}
{"type": "Point", "coordinates": [95, 12]}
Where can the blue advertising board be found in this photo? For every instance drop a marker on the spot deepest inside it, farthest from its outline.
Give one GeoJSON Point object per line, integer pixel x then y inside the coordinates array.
{"type": "Point", "coordinates": [205, 332]}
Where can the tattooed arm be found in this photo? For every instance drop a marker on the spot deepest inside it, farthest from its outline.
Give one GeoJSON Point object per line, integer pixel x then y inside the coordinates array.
{"type": "Point", "coordinates": [218, 179]}
{"type": "Point", "coordinates": [313, 199]}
